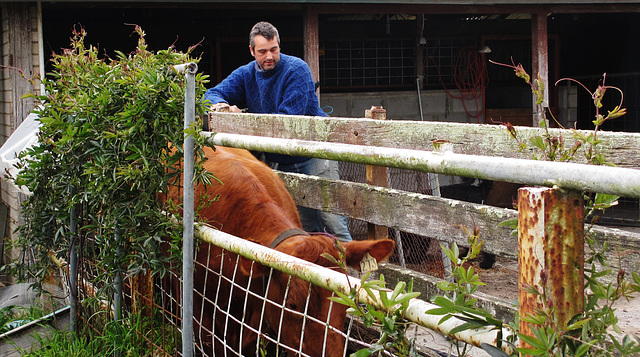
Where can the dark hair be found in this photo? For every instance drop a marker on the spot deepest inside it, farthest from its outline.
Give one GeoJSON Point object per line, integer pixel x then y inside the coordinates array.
{"type": "Point", "coordinates": [265, 30]}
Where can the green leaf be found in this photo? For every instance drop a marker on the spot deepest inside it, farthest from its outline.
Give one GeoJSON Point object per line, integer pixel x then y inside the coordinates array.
{"type": "Point", "coordinates": [511, 223]}
{"type": "Point", "coordinates": [362, 353]}
{"type": "Point", "coordinates": [538, 142]}
{"type": "Point", "coordinates": [577, 325]}
{"type": "Point", "coordinates": [493, 351]}
{"type": "Point", "coordinates": [531, 351]}
{"type": "Point", "coordinates": [398, 289]}
{"type": "Point", "coordinates": [534, 342]}
{"type": "Point", "coordinates": [438, 311]}
{"type": "Point", "coordinates": [603, 201]}
{"type": "Point", "coordinates": [446, 286]}
{"type": "Point", "coordinates": [444, 319]}
{"type": "Point", "coordinates": [407, 296]}
{"type": "Point", "coordinates": [463, 327]}
{"type": "Point", "coordinates": [582, 350]}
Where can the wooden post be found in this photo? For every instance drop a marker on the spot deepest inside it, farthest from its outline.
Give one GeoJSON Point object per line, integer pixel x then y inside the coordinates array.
{"type": "Point", "coordinates": [311, 41]}
{"type": "Point", "coordinates": [551, 252]}
{"type": "Point", "coordinates": [376, 175]}
{"type": "Point", "coordinates": [20, 52]}
{"type": "Point", "coordinates": [540, 60]}
{"type": "Point", "coordinates": [142, 294]}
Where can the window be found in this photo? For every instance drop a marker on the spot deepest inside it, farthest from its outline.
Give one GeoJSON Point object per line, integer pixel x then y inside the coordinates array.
{"type": "Point", "coordinates": [368, 63]}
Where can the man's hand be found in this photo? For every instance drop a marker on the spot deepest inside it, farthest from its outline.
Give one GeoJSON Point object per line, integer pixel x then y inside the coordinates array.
{"type": "Point", "coordinates": [224, 107]}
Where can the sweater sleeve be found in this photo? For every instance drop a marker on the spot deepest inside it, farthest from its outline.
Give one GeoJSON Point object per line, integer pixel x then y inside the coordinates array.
{"type": "Point", "coordinates": [231, 90]}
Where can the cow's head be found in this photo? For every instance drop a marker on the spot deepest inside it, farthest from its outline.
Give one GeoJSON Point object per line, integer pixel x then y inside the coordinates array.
{"type": "Point", "coordinates": [317, 339]}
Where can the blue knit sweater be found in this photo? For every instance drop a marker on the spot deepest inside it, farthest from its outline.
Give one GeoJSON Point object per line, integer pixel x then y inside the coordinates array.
{"type": "Point", "coordinates": [286, 89]}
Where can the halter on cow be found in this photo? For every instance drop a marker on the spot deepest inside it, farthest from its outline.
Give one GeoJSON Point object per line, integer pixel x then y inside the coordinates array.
{"type": "Point", "coordinates": [254, 204]}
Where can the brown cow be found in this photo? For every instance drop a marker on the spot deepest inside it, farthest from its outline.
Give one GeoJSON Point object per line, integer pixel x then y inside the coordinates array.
{"type": "Point", "coordinates": [254, 204]}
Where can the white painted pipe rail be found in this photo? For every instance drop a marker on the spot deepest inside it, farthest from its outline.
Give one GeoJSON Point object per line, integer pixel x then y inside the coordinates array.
{"type": "Point", "coordinates": [337, 281]}
{"type": "Point", "coordinates": [592, 178]}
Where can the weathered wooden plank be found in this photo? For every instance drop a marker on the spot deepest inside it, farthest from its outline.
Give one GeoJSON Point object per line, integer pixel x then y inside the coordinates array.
{"type": "Point", "coordinates": [439, 218]}
{"type": "Point", "coordinates": [621, 149]}
{"type": "Point", "coordinates": [430, 216]}
{"type": "Point", "coordinates": [425, 215]}
{"type": "Point", "coordinates": [19, 40]}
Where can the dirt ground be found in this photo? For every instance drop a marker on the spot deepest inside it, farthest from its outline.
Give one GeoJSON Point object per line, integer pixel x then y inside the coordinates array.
{"type": "Point", "coordinates": [502, 282]}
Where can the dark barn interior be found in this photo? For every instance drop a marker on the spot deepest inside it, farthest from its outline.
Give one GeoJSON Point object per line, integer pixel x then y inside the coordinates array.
{"type": "Point", "coordinates": [379, 49]}
{"type": "Point", "coordinates": [382, 49]}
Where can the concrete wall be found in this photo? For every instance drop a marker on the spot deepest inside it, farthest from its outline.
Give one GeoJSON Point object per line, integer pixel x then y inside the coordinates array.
{"type": "Point", "coordinates": [403, 105]}
{"type": "Point", "coordinates": [437, 105]}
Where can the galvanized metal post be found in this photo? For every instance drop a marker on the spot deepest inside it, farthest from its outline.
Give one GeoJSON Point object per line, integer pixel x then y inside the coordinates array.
{"type": "Point", "coordinates": [73, 271]}
{"type": "Point", "coordinates": [376, 175]}
{"type": "Point", "coordinates": [551, 253]}
{"type": "Point", "coordinates": [443, 147]}
{"type": "Point", "coordinates": [117, 295]}
{"type": "Point", "coordinates": [190, 70]}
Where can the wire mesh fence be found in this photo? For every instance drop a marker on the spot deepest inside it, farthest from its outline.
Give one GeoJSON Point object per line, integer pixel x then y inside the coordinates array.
{"type": "Point", "coordinates": [236, 313]}
{"type": "Point", "coordinates": [417, 252]}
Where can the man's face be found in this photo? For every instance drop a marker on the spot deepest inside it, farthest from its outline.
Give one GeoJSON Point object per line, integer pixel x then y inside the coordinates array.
{"type": "Point", "coordinates": [266, 52]}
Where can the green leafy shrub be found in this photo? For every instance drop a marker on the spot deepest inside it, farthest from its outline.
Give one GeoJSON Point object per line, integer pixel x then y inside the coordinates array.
{"type": "Point", "coordinates": [110, 129]}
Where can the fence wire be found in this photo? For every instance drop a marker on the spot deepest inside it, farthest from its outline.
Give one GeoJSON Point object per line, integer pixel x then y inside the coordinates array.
{"type": "Point", "coordinates": [413, 251]}
{"type": "Point", "coordinates": [231, 314]}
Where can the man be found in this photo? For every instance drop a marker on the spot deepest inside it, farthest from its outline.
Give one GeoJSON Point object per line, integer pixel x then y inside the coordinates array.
{"type": "Point", "coordinates": [276, 83]}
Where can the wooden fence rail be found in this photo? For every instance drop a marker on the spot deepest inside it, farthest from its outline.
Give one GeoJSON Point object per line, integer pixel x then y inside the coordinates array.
{"type": "Point", "coordinates": [423, 214]}
{"type": "Point", "coordinates": [572, 176]}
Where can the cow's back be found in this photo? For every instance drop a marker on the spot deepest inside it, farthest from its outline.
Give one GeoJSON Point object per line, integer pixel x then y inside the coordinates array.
{"type": "Point", "coordinates": [248, 189]}
{"type": "Point", "coordinates": [253, 203]}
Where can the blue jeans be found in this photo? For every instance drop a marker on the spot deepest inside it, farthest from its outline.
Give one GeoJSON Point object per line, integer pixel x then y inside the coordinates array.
{"type": "Point", "coordinates": [315, 220]}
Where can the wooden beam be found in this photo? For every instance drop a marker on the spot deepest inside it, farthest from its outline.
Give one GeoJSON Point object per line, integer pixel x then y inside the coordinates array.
{"type": "Point", "coordinates": [429, 216]}
{"type": "Point", "coordinates": [439, 218]}
{"type": "Point", "coordinates": [474, 8]}
{"type": "Point", "coordinates": [20, 58]}
{"type": "Point", "coordinates": [540, 61]}
{"type": "Point", "coordinates": [377, 176]}
{"type": "Point", "coordinates": [311, 42]}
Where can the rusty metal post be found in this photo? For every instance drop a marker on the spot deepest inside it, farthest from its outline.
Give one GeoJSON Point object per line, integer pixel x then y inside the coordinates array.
{"type": "Point", "coordinates": [551, 252]}
{"type": "Point", "coordinates": [376, 175]}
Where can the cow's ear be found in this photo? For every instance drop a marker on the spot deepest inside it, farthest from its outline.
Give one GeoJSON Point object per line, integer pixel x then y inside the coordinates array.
{"type": "Point", "coordinates": [355, 251]}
